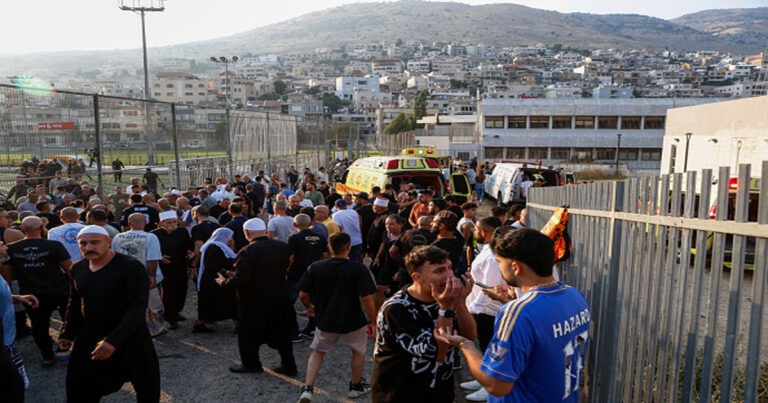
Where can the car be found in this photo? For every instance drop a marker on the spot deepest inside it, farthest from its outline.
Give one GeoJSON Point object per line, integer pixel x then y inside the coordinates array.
{"type": "Point", "coordinates": [505, 180]}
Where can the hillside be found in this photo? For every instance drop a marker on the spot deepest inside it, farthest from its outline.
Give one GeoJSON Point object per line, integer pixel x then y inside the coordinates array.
{"type": "Point", "coordinates": [493, 24]}
{"type": "Point", "coordinates": [745, 26]}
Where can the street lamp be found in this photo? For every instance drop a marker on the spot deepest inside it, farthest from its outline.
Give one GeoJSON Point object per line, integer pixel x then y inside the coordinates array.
{"type": "Point", "coordinates": [228, 139]}
{"type": "Point", "coordinates": [687, 143]}
{"type": "Point", "coordinates": [136, 7]}
{"type": "Point", "coordinates": [618, 150]}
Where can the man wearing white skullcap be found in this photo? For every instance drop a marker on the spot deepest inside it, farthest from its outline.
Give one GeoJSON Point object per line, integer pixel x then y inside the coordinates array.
{"type": "Point", "coordinates": [112, 345]}
{"type": "Point", "coordinates": [177, 248]}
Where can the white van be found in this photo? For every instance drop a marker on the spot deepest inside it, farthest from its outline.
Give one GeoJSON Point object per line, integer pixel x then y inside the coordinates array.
{"type": "Point", "coordinates": [505, 180]}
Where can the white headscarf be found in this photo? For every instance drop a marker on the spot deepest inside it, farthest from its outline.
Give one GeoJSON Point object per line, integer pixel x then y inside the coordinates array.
{"type": "Point", "coordinates": [220, 237]}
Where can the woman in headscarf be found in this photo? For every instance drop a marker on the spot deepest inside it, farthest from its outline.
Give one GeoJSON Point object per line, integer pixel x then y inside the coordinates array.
{"type": "Point", "coordinates": [215, 303]}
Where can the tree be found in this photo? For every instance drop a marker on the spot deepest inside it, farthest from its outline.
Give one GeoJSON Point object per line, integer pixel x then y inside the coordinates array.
{"type": "Point", "coordinates": [269, 97]}
{"type": "Point", "coordinates": [314, 90]}
{"type": "Point", "coordinates": [458, 84]}
{"type": "Point", "coordinates": [280, 87]}
{"type": "Point", "coordinates": [332, 102]}
{"type": "Point", "coordinates": [401, 123]}
{"type": "Point", "coordinates": [419, 108]}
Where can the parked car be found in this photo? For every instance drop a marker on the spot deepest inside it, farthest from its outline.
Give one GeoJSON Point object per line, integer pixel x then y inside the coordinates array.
{"type": "Point", "coordinates": [505, 180]}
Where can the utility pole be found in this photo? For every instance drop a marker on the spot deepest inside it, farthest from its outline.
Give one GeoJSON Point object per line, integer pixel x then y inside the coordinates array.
{"type": "Point", "coordinates": [136, 7]}
{"type": "Point", "coordinates": [227, 84]}
{"type": "Point", "coordinates": [687, 144]}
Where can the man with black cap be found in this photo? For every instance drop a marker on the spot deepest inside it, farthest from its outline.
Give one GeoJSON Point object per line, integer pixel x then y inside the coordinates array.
{"type": "Point", "coordinates": [112, 345]}
{"type": "Point", "coordinates": [264, 306]}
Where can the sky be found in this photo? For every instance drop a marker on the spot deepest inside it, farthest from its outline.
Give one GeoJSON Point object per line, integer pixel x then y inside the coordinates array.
{"type": "Point", "coordinates": [56, 25]}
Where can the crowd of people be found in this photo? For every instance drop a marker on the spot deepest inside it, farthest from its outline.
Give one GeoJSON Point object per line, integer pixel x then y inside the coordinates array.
{"type": "Point", "coordinates": [426, 277]}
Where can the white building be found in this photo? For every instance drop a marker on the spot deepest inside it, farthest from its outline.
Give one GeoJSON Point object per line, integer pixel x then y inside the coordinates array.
{"type": "Point", "coordinates": [179, 87]}
{"type": "Point", "coordinates": [346, 86]}
{"type": "Point", "coordinates": [578, 130]}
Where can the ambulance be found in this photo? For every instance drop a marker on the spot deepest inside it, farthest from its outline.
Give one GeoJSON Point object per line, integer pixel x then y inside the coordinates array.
{"type": "Point", "coordinates": [427, 152]}
{"type": "Point", "coordinates": [365, 173]}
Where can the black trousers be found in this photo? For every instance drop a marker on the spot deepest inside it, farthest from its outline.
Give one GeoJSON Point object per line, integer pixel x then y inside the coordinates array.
{"type": "Point", "coordinates": [11, 383]}
{"type": "Point", "coordinates": [175, 285]}
{"type": "Point", "coordinates": [261, 325]}
{"type": "Point", "coordinates": [40, 318]}
{"type": "Point", "coordinates": [484, 329]}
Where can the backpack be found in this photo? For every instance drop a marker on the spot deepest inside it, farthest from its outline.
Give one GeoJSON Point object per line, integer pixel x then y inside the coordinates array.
{"type": "Point", "coordinates": [557, 230]}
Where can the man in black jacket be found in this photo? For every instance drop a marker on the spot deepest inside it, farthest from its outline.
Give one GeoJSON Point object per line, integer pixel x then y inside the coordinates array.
{"type": "Point", "coordinates": [264, 308]}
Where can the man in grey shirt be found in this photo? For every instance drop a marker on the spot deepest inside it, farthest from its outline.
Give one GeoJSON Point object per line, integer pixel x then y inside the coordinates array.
{"type": "Point", "coordinates": [281, 225]}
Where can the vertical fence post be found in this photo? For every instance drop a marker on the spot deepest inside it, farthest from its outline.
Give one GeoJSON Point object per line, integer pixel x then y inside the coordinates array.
{"type": "Point", "coordinates": [176, 146]}
{"type": "Point", "coordinates": [269, 151]}
{"type": "Point", "coordinates": [97, 138]}
{"type": "Point", "coordinates": [609, 326]}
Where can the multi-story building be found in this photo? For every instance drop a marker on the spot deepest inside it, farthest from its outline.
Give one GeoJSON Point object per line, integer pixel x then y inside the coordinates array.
{"type": "Point", "coordinates": [385, 67]}
{"type": "Point", "coordinates": [346, 86]}
{"type": "Point", "coordinates": [578, 130]}
{"type": "Point", "coordinates": [419, 66]}
{"type": "Point", "coordinates": [179, 87]}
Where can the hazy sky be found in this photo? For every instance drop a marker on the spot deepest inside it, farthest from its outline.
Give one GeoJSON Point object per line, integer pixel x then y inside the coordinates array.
{"type": "Point", "coordinates": [60, 25]}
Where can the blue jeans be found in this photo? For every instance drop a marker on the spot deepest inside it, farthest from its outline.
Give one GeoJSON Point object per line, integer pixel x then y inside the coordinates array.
{"type": "Point", "coordinates": [480, 190]}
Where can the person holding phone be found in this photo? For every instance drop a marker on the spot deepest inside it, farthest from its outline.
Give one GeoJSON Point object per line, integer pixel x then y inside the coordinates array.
{"type": "Point", "coordinates": [487, 274]}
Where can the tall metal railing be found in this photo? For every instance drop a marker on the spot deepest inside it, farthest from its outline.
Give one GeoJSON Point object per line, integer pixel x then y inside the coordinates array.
{"type": "Point", "coordinates": [677, 298]}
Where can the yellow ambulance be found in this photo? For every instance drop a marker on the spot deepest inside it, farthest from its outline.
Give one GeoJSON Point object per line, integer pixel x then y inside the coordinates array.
{"type": "Point", "coordinates": [366, 173]}
{"type": "Point", "coordinates": [427, 152]}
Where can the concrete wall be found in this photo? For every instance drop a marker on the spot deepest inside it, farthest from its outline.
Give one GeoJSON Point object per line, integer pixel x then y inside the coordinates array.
{"type": "Point", "coordinates": [722, 134]}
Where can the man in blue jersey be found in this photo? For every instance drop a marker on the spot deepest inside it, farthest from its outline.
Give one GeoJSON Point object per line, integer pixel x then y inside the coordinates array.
{"type": "Point", "coordinates": [540, 339]}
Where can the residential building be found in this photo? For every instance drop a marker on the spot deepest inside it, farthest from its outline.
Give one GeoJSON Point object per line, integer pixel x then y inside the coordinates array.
{"type": "Point", "coordinates": [346, 86]}
{"type": "Point", "coordinates": [179, 87]}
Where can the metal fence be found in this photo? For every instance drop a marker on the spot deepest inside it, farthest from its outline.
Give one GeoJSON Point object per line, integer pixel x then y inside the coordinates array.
{"type": "Point", "coordinates": [44, 132]}
{"type": "Point", "coordinates": [677, 298]}
{"type": "Point", "coordinates": [393, 144]}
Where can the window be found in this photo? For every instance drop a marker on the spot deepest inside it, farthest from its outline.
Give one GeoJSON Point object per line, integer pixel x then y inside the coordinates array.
{"type": "Point", "coordinates": [605, 154]}
{"type": "Point", "coordinates": [169, 86]}
{"type": "Point", "coordinates": [515, 153]}
{"type": "Point", "coordinates": [630, 122]}
{"type": "Point", "coordinates": [539, 122]}
{"type": "Point", "coordinates": [583, 155]}
{"type": "Point", "coordinates": [187, 85]}
{"type": "Point", "coordinates": [628, 154]}
{"type": "Point", "coordinates": [561, 122]}
{"type": "Point", "coordinates": [517, 122]}
{"type": "Point", "coordinates": [537, 153]}
{"type": "Point", "coordinates": [608, 122]}
{"type": "Point", "coordinates": [654, 122]}
{"type": "Point", "coordinates": [650, 154]}
{"type": "Point", "coordinates": [585, 122]}
{"type": "Point", "coordinates": [561, 154]}
{"type": "Point", "coordinates": [169, 94]}
{"type": "Point", "coordinates": [494, 122]}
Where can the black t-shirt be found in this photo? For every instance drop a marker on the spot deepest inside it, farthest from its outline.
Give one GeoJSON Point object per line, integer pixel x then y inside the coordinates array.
{"type": "Point", "coordinates": [306, 247]}
{"type": "Point", "coordinates": [217, 210]}
{"type": "Point", "coordinates": [454, 246]}
{"type": "Point", "coordinates": [368, 216]}
{"type": "Point", "coordinates": [405, 357]}
{"type": "Point", "coordinates": [293, 212]}
{"type": "Point", "coordinates": [336, 286]}
{"type": "Point", "coordinates": [151, 178]}
{"type": "Point", "coordinates": [36, 263]}
{"type": "Point", "coordinates": [236, 225]}
{"type": "Point", "coordinates": [376, 233]}
{"type": "Point", "coordinates": [53, 220]}
{"type": "Point", "coordinates": [203, 231]}
{"type": "Point", "coordinates": [151, 215]}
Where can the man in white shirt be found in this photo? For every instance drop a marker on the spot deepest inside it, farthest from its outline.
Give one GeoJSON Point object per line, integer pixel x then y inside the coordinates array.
{"type": "Point", "coordinates": [67, 234]}
{"type": "Point", "coordinates": [350, 222]}
{"type": "Point", "coordinates": [527, 182]}
{"type": "Point", "coordinates": [145, 248]}
{"type": "Point", "coordinates": [485, 270]}
{"type": "Point", "coordinates": [280, 226]}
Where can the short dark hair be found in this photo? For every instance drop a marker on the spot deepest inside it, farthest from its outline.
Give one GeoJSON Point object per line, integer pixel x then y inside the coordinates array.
{"type": "Point", "coordinates": [42, 205]}
{"type": "Point", "coordinates": [203, 211]}
{"type": "Point", "coordinates": [136, 198]}
{"type": "Point", "coordinates": [498, 210]}
{"type": "Point", "coordinates": [439, 203]}
{"type": "Point", "coordinates": [339, 242]}
{"type": "Point", "coordinates": [489, 223]}
{"type": "Point", "coordinates": [515, 208]}
{"type": "Point", "coordinates": [421, 255]}
{"type": "Point", "coordinates": [308, 211]}
{"type": "Point", "coordinates": [376, 189]}
{"type": "Point", "coordinates": [448, 218]}
{"type": "Point", "coordinates": [468, 206]}
{"type": "Point", "coordinates": [396, 217]}
{"type": "Point", "coordinates": [528, 246]}
{"type": "Point", "coordinates": [235, 208]}
{"type": "Point", "coordinates": [97, 215]}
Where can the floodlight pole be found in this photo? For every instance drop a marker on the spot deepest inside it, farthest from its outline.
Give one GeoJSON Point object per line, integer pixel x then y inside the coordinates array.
{"type": "Point", "coordinates": [228, 139]}
{"type": "Point", "coordinates": [141, 10]}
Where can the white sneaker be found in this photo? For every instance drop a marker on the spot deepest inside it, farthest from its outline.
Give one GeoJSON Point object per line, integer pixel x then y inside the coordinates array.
{"type": "Point", "coordinates": [471, 385]}
{"type": "Point", "coordinates": [480, 395]}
